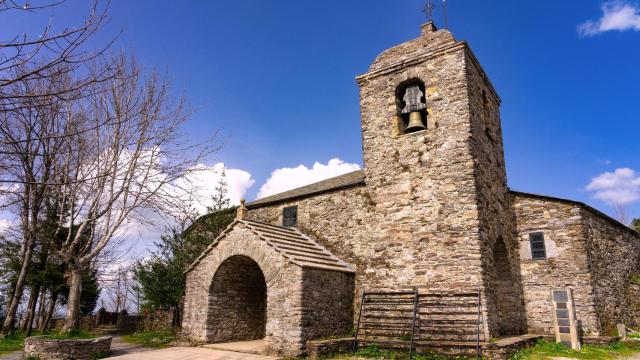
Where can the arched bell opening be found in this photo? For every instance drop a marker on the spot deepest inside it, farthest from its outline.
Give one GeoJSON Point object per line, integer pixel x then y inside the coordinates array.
{"type": "Point", "coordinates": [411, 102]}
{"type": "Point", "coordinates": [237, 301]}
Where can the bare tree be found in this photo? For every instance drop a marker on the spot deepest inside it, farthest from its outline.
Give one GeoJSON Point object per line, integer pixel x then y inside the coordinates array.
{"type": "Point", "coordinates": [25, 57]}
{"type": "Point", "coordinates": [126, 166]}
{"type": "Point", "coordinates": [119, 284]}
{"type": "Point", "coordinates": [621, 212]}
{"type": "Point", "coordinates": [39, 74]}
{"type": "Point", "coordinates": [31, 139]}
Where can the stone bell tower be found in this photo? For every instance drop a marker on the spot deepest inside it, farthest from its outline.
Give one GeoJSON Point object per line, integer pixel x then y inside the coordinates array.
{"type": "Point", "coordinates": [435, 169]}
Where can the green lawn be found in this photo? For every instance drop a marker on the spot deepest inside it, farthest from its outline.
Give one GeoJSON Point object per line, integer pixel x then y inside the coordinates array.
{"type": "Point", "coordinates": [541, 351]}
{"type": "Point", "coordinates": [151, 339]}
{"type": "Point", "coordinates": [373, 352]}
{"type": "Point", "coordinates": [547, 350]}
{"type": "Point", "coordinates": [11, 343]}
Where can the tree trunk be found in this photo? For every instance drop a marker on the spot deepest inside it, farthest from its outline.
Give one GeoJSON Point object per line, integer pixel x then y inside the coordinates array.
{"type": "Point", "coordinates": [33, 299]}
{"type": "Point", "coordinates": [41, 308]}
{"type": "Point", "coordinates": [72, 323]}
{"type": "Point", "coordinates": [32, 310]}
{"type": "Point", "coordinates": [9, 321]}
{"type": "Point", "coordinates": [51, 308]}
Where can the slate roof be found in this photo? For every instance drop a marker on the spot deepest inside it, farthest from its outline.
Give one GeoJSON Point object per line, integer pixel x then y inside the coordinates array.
{"type": "Point", "coordinates": [295, 246]}
{"type": "Point", "coordinates": [344, 181]}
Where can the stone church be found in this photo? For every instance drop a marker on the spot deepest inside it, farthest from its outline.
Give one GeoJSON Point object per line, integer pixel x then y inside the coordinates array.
{"type": "Point", "coordinates": [431, 211]}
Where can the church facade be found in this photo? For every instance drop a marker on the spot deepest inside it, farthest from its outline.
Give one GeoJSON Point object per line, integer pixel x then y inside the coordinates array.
{"type": "Point", "coordinates": [430, 210]}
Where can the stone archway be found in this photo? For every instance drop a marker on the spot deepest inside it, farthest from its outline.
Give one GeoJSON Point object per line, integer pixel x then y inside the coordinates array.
{"type": "Point", "coordinates": [237, 301]}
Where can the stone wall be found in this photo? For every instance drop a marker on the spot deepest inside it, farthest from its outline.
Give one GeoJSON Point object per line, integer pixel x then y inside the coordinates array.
{"type": "Point", "coordinates": [87, 323]}
{"type": "Point", "coordinates": [320, 349]}
{"type": "Point", "coordinates": [634, 295]}
{"type": "Point", "coordinates": [567, 264]}
{"type": "Point", "coordinates": [158, 320]}
{"type": "Point", "coordinates": [45, 348]}
{"type": "Point", "coordinates": [615, 257]}
{"type": "Point", "coordinates": [327, 301]}
{"type": "Point", "coordinates": [238, 301]}
{"type": "Point", "coordinates": [497, 226]}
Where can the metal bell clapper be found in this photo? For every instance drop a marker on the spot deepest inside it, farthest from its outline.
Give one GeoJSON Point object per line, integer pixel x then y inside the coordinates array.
{"type": "Point", "coordinates": [413, 105]}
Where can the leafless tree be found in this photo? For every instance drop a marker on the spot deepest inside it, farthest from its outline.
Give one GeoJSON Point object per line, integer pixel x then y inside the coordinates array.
{"type": "Point", "coordinates": [126, 166]}
{"type": "Point", "coordinates": [96, 135]}
{"type": "Point", "coordinates": [621, 213]}
{"type": "Point", "coordinates": [39, 74]}
{"type": "Point", "coordinates": [25, 57]}
{"type": "Point", "coordinates": [31, 137]}
{"type": "Point", "coordinates": [119, 284]}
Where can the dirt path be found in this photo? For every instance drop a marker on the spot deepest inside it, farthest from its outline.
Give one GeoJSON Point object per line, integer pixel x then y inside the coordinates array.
{"type": "Point", "coordinates": [16, 355]}
{"type": "Point", "coordinates": [119, 347]}
{"type": "Point", "coordinates": [192, 353]}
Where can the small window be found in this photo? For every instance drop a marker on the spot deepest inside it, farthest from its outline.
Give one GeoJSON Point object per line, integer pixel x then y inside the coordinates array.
{"type": "Point", "coordinates": [290, 216]}
{"type": "Point", "coordinates": [538, 251]}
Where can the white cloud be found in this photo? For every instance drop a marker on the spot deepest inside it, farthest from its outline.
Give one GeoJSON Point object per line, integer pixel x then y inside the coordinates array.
{"type": "Point", "coordinates": [192, 192]}
{"type": "Point", "coordinates": [284, 179]}
{"type": "Point", "coordinates": [4, 225]}
{"type": "Point", "coordinates": [620, 187]}
{"type": "Point", "coordinates": [616, 15]}
{"type": "Point", "coordinates": [204, 179]}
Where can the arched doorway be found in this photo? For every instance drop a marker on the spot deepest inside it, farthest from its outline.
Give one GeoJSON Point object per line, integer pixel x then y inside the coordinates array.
{"type": "Point", "coordinates": [508, 304]}
{"type": "Point", "coordinates": [237, 301]}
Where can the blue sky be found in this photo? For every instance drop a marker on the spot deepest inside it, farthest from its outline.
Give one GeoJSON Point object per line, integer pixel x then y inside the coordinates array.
{"type": "Point", "coordinates": [278, 78]}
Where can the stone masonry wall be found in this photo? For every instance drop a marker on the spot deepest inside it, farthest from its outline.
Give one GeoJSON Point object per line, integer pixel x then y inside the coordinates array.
{"type": "Point", "coordinates": [615, 256]}
{"type": "Point", "coordinates": [497, 225]}
{"type": "Point", "coordinates": [567, 264]}
{"type": "Point", "coordinates": [634, 295]}
{"type": "Point", "coordinates": [45, 348]}
{"type": "Point", "coordinates": [237, 301]}
{"type": "Point", "coordinates": [327, 301]}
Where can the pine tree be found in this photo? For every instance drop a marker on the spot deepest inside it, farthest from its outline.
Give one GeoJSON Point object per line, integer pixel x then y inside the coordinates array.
{"type": "Point", "coordinates": [220, 197]}
{"type": "Point", "coordinates": [635, 224]}
{"type": "Point", "coordinates": [161, 279]}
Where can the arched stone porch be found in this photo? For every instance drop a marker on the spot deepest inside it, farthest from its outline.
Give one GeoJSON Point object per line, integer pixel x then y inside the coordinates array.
{"type": "Point", "coordinates": [247, 285]}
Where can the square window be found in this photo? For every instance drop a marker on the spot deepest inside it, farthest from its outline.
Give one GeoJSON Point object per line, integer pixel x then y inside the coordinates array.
{"type": "Point", "coordinates": [538, 251]}
{"type": "Point", "coordinates": [290, 216]}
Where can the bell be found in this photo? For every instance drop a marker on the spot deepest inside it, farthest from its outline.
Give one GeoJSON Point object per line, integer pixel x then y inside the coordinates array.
{"type": "Point", "coordinates": [415, 123]}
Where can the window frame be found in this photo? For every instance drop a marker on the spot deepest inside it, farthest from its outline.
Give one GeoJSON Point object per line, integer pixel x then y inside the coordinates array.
{"type": "Point", "coordinates": [537, 245]}
{"type": "Point", "coordinates": [286, 220]}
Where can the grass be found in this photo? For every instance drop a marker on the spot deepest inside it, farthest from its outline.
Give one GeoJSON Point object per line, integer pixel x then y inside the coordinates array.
{"type": "Point", "coordinates": [151, 339]}
{"type": "Point", "coordinates": [373, 352]}
{"type": "Point", "coordinates": [71, 335]}
{"type": "Point", "coordinates": [544, 350]}
{"type": "Point", "coordinates": [11, 343]}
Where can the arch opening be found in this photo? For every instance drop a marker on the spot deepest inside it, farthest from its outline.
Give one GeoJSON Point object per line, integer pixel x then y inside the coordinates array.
{"type": "Point", "coordinates": [411, 104]}
{"type": "Point", "coordinates": [237, 301]}
{"type": "Point", "coordinates": [506, 293]}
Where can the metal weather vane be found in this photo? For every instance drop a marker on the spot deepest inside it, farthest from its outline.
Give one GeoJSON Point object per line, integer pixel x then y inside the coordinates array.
{"type": "Point", "coordinates": [428, 9]}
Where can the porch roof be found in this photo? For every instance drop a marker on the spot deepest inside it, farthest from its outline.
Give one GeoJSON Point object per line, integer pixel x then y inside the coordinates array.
{"type": "Point", "coordinates": [291, 243]}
